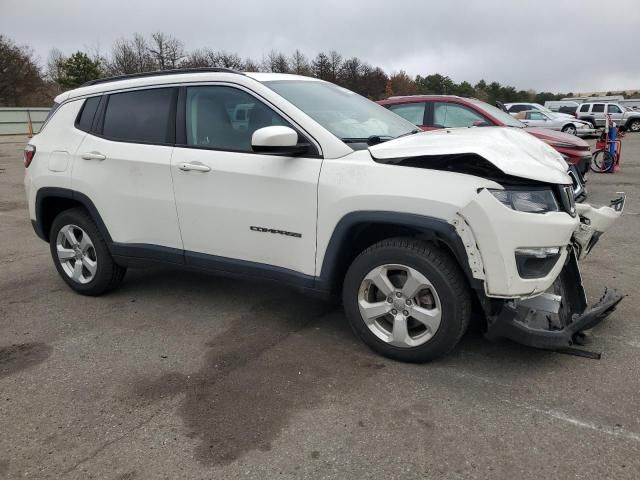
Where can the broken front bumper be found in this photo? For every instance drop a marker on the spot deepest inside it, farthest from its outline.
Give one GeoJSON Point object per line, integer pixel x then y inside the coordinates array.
{"type": "Point", "coordinates": [553, 319]}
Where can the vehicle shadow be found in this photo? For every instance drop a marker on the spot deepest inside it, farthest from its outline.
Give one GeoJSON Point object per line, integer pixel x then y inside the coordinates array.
{"type": "Point", "coordinates": [286, 353]}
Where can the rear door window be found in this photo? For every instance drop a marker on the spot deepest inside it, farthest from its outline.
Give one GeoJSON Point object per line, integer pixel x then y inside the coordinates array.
{"type": "Point", "coordinates": [597, 108]}
{"type": "Point", "coordinates": [413, 112]}
{"type": "Point", "coordinates": [141, 116]}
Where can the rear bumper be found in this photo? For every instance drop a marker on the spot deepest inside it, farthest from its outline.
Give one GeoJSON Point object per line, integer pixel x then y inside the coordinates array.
{"type": "Point", "coordinates": [552, 320]}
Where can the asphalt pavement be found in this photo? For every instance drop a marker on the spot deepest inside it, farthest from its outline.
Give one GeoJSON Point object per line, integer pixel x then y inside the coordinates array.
{"type": "Point", "coordinates": [184, 375]}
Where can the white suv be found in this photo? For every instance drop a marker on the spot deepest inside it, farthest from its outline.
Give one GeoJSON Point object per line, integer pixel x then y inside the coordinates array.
{"type": "Point", "coordinates": [297, 180]}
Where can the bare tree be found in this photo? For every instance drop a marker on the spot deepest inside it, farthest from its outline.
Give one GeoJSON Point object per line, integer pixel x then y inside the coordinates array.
{"type": "Point", "coordinates": [167, 51]}
{"type": "Point", "coordinates": [130, 56]}
{"type": "Point", "coordinates": [335, 65]}
{"type": "Point", "coordinates": [226, 60]}
{"type": "Point", "coordinates": [54, 65]}
{"type": "Point", "coordinates": [196, 59]}
{"type": "Point", "coordinates": [299, 64]}
{"type": "Point", "coordinates": [250, 66]}
{"type": "Point", "coordinates": [275, 62]}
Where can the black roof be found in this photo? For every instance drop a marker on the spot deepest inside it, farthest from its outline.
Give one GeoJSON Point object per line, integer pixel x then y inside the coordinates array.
{"type": "Point", "coordinates": [157, 73]}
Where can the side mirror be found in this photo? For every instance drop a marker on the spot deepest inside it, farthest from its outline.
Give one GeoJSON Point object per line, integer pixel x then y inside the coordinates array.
{"type": "Point", "coordinates": [277, 140]}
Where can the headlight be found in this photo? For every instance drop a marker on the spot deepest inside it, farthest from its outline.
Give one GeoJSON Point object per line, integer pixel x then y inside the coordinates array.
{"type": "Point", "coordinates": [530, 201]}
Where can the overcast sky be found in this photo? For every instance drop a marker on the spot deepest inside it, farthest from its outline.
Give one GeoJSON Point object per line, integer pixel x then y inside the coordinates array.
{"type": "Point", "coordinates": [560, 45]}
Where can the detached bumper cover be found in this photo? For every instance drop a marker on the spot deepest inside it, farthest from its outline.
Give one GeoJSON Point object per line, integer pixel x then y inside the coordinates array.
{"type": "Point", "coordinates": [594, 222]}
{"type": "Point", "coordinates": [553, 321]}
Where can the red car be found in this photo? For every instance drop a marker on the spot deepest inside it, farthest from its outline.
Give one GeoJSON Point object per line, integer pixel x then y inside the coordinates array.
{"type": "Point", "coordinates": [448, 111]}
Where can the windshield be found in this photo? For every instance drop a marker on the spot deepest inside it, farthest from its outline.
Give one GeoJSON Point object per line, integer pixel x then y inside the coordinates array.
{"type": "Point", "coordinates": [495, 112]}
{"type": "Point", "coordinates": [346, 114]}
{"type": "Point", "coordinates": [542, 108]}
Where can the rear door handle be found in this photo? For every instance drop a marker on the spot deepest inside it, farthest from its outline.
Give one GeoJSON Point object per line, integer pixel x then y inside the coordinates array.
{"type": "Point", "coordinates": [196, 167]}
{"type": "Point", "coordinates": [93, 156]}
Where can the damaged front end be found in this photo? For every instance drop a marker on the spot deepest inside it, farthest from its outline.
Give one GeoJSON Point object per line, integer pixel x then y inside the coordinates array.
{"type": "Point", "coordinates": [557, 318]}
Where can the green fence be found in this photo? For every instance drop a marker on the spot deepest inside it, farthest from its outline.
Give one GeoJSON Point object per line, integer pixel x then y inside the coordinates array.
{"type": "Point", "coordinates": [15, 121]}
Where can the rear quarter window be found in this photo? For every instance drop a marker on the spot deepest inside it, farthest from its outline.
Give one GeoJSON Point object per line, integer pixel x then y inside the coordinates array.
{"type": "Point", "coordinates": [53, 110]}
{"type": "Point", "coordinates": [87, 114]}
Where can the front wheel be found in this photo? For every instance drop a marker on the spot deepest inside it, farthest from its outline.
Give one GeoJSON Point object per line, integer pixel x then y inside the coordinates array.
{"type": "Point", "coordinates": [634, 125]}
{"type": "Point", "coordinates": [601, 161]}
{"type": "Point", "coordinates": [570, 129]}
{"type": "Point", "coordinates": [407, 300]}
{"type": "Point", "coordinates": [80, 254]}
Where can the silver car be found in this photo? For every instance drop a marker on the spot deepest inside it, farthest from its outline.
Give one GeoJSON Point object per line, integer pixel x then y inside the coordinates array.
{"type": "Point", "coordinates": [570, 125]}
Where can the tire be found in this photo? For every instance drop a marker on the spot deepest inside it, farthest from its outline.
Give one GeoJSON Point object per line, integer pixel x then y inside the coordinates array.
{"type": "Point", "coordinates": [601, 161]}
{"type": "Point", "coordinates": [74, 236]}
{"type": "Point", "coordinates": [398, 259]}
{"type": "Point", "coordinates": [634, 125]}
{"type": "Point", "coordinates": [570, 129]}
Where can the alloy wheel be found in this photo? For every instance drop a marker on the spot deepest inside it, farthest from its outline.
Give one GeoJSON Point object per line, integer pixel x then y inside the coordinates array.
{"type": "Point", "coordinates": [399, 305]}
{"type": "Point", "coordinates": [77, 254]}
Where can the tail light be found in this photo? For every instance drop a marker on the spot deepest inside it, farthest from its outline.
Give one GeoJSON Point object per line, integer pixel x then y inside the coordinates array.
{"type": "Point", "coordinates": [29, 153]}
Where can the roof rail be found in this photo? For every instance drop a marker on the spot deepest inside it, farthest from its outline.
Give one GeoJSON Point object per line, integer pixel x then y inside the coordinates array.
{"type": "Point", "coordinates": [157, 73]}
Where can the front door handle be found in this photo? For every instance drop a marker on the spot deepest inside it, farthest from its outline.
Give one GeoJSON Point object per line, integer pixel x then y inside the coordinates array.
{"type": "Point", "coordinates": [93, 156]}
{"type": "Point", "coordinates": [196, 167]}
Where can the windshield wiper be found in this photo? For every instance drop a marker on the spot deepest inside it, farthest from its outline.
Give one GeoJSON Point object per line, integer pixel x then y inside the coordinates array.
{"type": "Point", "coordinates": [371, 140]}
{"type": "Point", "coordinates": [375, 139]}
{"type": "Point", "coordinates": [417, 130]}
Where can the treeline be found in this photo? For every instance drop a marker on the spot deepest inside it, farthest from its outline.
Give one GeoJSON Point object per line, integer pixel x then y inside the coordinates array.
{"type": "Point", "coordinates": [24, 82]}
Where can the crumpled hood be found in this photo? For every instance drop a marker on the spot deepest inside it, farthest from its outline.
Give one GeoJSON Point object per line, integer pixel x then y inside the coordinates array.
{"type": "Point", "coordinates": [512, 150]}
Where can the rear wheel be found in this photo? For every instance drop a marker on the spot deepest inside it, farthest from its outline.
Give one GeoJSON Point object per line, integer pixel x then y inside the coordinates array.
{"type": "Point", "coordinates": [601, 161]}
{"type": "Point", "coordinates": [80, 254]}
{"type": "Point", "coordinates": [407, 300]}
{"type": "Point", "coordinates": [570, 129]}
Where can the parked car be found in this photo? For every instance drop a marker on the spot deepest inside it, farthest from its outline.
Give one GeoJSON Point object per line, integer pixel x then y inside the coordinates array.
{"type": "Point", "coordinates": [568, 110]}
{"type": "Point", "coordinates": [323, 190]}
{"type": "Point", "coordinates": [514, 108]}
{"type": "Point", "coordinates": [595, 113]}
{"type": "Point", "coordinates": [439, 111]}
{"type": "Point", "coordinates": [559, 105]}
{"type": "Point", "coordinates": [572, 126]}
{"type": "Point", "coordinates": [631, 103]}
